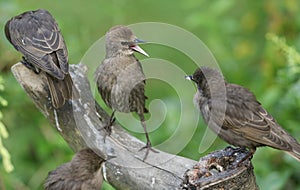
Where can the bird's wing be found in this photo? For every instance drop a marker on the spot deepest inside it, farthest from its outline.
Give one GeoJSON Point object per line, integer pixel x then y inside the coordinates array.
{"type": "Point", "coordinates": [105, 79]}
{"type": "Point", "coordinates": [249, 119]}
{"type": "Point", "coordinates": [37, 36]}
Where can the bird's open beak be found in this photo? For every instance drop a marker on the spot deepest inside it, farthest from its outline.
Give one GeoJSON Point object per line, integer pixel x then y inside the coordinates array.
{"type": "Point", "coordinates": [137, 48]}
{"type": "Point", "coordinates": [188, 77]}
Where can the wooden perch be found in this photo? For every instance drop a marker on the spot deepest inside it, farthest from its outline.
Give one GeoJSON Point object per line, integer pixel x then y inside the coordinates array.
{"type": "Point", "coordinates": [80, 123]}
{"type": "Point", "coordinates": [223, 169]}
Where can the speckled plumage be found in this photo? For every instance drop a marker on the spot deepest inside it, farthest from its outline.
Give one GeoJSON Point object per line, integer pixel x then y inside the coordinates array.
{"type": "Point", "coordinates": [246, 123]}
{"type": "Point", "coordinates": [120, 78]}
{"type": "Point", "coordinates": [83, 172]}
{"type": "Point", "coordinates": [37, 36]}
{"type": "Point", "coordinates": [121, 83]}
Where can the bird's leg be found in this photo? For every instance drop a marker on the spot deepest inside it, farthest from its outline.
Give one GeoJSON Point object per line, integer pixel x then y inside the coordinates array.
{"type": "Point", "coordinates": [249, 155]}
{"type": "Point", "coordinates": [148, 143]}
{"type": "Point", "coordinates": [29, 65]}
{"type": "Point", "coordinates": [111, 121]}
{"type": "Point", "coordinates": [108, 126]}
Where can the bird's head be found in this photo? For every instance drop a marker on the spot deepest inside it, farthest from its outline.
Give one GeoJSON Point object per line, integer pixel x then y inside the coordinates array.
{"type": "Point", "coordinates": [206, 78]}
{"type": "Point", "coordinates": [121, 40]}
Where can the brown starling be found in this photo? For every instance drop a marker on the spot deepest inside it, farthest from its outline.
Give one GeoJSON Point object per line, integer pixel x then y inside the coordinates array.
{"type": "Point", "coordinates": [37, 36]}
{"type": "Point", "coordinates": [120, 78]}
{"type": "Point", "coordinates": [246, 123]}
{"type": "Point", "coordinates": [83, 172]}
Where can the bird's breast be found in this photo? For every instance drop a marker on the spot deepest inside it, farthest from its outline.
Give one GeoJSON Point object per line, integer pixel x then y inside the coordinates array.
{"type": "Point", "coordinates": [119, 81]}
{"type": "Point", "coordinates": [202, 103]}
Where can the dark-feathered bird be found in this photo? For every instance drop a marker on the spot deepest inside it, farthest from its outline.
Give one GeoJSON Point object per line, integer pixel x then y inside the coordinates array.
{"type": "Point", "coordinates": [246, 123]}
{"type": "Point", "coordinates": [120, 78]}
{"type": "Point", "coordinates": [37, 36]}
{"type": "Point", "coordinates": [83, 172]}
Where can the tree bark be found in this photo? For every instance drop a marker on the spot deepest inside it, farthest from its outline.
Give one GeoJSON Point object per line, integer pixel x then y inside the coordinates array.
{"type": "Point", "coordinates": [224, 169]}
{"type": "Point", "coordinates": [80, 122]}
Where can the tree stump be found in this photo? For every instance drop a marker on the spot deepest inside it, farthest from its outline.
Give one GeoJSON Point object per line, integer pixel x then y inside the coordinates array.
{"type": "Point", "coordinates": [223, 169]}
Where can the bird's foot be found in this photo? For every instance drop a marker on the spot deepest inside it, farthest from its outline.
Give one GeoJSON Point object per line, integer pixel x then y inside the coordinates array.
{"type": "Point", "coordinates": [244, 155]}
{"type": "Point", "coordinates": [249, 156]}
{"type": "Point", "coordinates": [235, 150]}
{"type": "Point", "coordinates": [148, 147]}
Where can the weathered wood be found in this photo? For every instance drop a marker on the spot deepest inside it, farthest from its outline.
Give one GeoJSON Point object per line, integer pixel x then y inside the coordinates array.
{"type": "Point", "coordinates": [229, 169]}
{"type": "Point", "coordinates": [80, 123]}
{"type": "Point", "coordinates": [77, 121]}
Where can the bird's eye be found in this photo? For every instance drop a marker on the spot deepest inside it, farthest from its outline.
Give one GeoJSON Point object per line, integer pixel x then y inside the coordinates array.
{"type": "Point", "coordinates": [125, 43]}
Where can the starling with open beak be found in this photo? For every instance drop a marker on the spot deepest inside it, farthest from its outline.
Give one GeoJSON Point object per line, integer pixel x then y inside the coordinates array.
{"type": "Point", "coordinates": [120, 78]}
{"type": "Point", "coordinates": [246, 123]}
{"type": "Point", "coordinates": [37, 36]}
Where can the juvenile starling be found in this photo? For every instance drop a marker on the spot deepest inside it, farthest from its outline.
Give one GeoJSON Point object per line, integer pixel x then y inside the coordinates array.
{"type": "Point", "coordinates": [83, 172]}
{"type": "Point", "coordinates": [37, 36]}
{"type": "Point", "coordinates": [120, 78]}
{"type": "Point", "coordinates": [246, 123]}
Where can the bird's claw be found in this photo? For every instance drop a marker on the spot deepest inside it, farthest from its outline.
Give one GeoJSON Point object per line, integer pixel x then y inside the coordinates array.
{"type": "Point", "coordinates": [149, 148]}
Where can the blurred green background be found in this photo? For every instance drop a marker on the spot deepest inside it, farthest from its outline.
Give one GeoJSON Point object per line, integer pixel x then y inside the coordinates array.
{"type": "Point", "coordinates": [234, 30]}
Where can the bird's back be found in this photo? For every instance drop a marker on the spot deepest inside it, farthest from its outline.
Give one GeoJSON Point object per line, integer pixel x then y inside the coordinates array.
{"type": "Point", "coordinates": [37, 36]}
{"type": "Point", "coordinates": [250, 120]}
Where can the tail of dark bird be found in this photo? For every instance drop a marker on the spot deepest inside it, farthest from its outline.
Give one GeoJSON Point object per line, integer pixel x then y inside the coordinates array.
{"type": "Point", "coordinates": [295, 151]}
{"type": "Point", "coordinates": [61, 90]}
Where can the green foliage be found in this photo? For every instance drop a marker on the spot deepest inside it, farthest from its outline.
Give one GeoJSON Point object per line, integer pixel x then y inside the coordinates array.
{"type": "Point", "coordinates": [4, 134]}
{"type": "Point", "coordinates": [242, 35]}
{"type": "Point", "coordinates": [292, 70]}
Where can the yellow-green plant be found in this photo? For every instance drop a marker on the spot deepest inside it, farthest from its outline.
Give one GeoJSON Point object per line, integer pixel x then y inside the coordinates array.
{"type": "Point", "coordinates": [291, 55]}
{"type": "Point", "coordinates": [4, 134]}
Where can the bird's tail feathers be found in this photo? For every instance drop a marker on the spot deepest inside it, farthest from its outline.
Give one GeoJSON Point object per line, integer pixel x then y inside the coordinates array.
{"type": "Point", "coordinates": [72, 92]}
{"type": "Point", "coordinates": [295, 151]}
{"type": "Point", "coordinates": [61, 90]}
